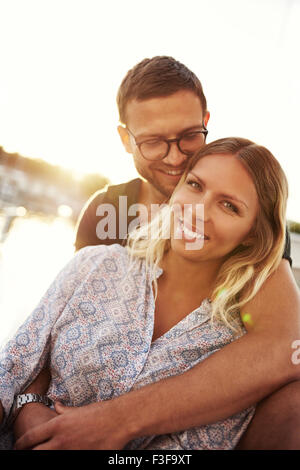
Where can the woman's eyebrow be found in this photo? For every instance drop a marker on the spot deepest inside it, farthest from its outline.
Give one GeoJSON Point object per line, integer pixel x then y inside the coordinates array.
{"type": "Point", "coordinates": [233, 198]}
{"type": "Point", "coordinates": [226, 196]}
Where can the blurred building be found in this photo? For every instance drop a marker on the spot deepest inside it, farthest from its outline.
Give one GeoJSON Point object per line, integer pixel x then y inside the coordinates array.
{"type": "Point", "coordinates": [36, 187]}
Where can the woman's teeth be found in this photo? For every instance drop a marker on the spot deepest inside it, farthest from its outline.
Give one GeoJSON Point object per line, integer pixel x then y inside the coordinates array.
{"type": "Point", "coordinates": [189, 233]}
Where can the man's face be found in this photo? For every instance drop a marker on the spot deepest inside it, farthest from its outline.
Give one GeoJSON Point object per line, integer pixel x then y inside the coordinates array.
{"type": "Point", "coordinates": [165, 117]}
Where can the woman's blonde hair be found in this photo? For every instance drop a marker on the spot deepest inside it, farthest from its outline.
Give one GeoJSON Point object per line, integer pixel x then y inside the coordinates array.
{"type": "Point", "coordinates": [248, 266]}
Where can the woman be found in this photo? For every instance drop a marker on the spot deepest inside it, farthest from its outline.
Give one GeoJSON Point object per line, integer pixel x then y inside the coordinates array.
{"type": "Point", "coordinates": [105, 331]}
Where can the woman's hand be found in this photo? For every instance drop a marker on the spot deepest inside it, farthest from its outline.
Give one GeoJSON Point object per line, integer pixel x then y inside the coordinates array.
{"type": "Point", "coordinates": [30, 416]}
{"type": "Point", "coordinates": [96, 426]}
{"type": "Point", "coordinates": [34, 414]}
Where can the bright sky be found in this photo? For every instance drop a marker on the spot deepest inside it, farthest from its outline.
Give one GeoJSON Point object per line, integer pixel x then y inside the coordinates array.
{"type": "Point", "coordinates": [63, 60]}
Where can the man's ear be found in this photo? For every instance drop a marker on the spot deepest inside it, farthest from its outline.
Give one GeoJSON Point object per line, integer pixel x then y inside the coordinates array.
{"type": "Point", "coordinates": [206, 118]}
{"type": "Point", "coordinates": [125, 138]}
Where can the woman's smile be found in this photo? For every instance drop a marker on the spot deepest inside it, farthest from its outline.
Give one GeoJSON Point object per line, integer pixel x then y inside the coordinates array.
{"type": "Point", "coordinates": [190, 232]}
{"type": "Point", "coordinates": [223, 189]}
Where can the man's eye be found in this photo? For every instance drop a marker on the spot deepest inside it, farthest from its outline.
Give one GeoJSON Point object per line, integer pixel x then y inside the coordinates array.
{"type": "Point", "coordinates": [191, 136]}
{"type": "Point", "coordinates": [152, 142]}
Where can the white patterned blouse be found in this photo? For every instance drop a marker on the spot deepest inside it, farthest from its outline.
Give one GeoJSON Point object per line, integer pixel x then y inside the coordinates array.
{"type": "Point", "coordinates": [94, 328]}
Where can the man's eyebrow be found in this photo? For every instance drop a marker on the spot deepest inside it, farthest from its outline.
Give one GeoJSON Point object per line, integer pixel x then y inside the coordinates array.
{"type": "Point", "coordinates": [198, 127]}
{"type": "Point", "coordinates": [226, 196]}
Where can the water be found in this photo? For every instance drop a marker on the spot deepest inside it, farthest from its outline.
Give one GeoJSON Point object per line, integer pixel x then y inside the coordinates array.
{"type": "Point", "coordinates": [34, 251]}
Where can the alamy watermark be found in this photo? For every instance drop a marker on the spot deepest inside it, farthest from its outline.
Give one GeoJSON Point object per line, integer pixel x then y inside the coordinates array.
{"type": "Point", "coordinates": [185, 221]}
{"type": "Point", "coordinates": [296, 354]}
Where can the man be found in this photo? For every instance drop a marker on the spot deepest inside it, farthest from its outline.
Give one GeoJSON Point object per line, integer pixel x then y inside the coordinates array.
{"type": "Point", "coordinates": [164, 117]}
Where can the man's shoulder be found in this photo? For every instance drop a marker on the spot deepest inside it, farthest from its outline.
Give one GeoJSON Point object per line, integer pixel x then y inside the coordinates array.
{"type": "Point", "coordinates": [86, 231]}
{"type": "Point", "coordinates": [111, 193]}
{"type": "Point", "coordinates": [130, 189]}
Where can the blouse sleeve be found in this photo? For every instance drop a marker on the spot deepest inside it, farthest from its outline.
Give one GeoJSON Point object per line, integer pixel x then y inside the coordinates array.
{"type": "Point", "coordinates": [26, 354]}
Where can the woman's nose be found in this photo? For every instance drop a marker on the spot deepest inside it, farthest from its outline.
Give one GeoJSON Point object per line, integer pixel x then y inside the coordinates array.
{"type": "Point", "coordinates": [203, 209]}
{"type": "Point", "coordinates": [197, 212]}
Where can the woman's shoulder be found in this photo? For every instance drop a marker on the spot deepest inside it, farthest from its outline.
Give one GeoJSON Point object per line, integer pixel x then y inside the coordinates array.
{"type": "Point", "coordinates": [107, 261]}
{"type": "Point", "coordinates": [101, 251]}
{"type": "Point", "coordinates": [96, 255]}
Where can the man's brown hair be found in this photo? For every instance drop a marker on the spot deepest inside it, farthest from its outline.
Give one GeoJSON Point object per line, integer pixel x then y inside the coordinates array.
{"type": "Point", "coordinates": [156, 77]}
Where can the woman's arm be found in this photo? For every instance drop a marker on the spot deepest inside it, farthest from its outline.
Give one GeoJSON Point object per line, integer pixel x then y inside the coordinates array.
{"type": "Point", "coordinates": [230, 380]}
{"type": "Point", "coordinates": [1, 412]}
{"type": "Point", "coordinates": [34, 414]}
{"type": "Point", "coordinates": [27, 353]}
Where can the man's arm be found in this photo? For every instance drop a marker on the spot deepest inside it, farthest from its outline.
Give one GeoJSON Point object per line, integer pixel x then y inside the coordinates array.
{"type": "Point", "coordinates": [230, 380]}
{"type": "Point", "coordinates": [240, 374]}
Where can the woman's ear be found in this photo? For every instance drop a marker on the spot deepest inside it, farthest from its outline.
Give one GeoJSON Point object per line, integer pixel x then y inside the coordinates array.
{"type": "Point", "coordinates": [249, 240]}
{"type": "Point", "coordinates": [125, 138]}
{"type": "Point", "coordinates": [251, 237]}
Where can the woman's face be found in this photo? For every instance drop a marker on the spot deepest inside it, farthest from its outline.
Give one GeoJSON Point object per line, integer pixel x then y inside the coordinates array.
{"type": "Point", "coordinates": [230, 205]}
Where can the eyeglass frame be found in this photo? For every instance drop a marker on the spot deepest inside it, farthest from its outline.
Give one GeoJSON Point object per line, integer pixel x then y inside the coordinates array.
{"type": "Point", "coordinates": [168, 142]}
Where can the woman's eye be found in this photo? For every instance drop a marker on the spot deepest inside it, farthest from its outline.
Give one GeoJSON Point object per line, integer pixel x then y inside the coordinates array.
{"type": "Point", "coordinates": [194, 184]}
{"type": "Point", "coordinates": [230, 206]}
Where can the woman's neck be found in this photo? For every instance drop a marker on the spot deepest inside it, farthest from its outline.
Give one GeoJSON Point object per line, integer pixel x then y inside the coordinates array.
{"type": "Point", "coordinates": [189, 277]}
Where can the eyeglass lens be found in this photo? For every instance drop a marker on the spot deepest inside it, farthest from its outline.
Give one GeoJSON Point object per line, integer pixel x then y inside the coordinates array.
{"type": "Point", "coordinates": [159, 149]}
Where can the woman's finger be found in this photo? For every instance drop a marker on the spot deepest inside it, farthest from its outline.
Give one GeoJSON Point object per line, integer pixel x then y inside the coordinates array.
{"type": "Point", "coordinates": [35, 436]}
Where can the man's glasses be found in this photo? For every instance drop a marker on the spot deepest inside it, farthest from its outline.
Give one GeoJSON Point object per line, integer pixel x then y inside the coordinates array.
{"type": "Point", "coordinates": [158, 149]}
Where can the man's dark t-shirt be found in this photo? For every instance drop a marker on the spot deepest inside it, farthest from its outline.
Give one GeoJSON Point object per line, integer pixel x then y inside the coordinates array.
{"type": "Point", "coordinates": [88, 220]}
{"type": "Point", "coordinates": [87, 224]}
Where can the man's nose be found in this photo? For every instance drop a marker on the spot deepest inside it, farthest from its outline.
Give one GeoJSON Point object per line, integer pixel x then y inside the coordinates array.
{"type": "Point", "coordinates": [175, 157]}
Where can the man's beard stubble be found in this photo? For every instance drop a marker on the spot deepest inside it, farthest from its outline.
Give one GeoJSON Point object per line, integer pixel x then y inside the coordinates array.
{"type": "Point", "coordinates": [164, 189]}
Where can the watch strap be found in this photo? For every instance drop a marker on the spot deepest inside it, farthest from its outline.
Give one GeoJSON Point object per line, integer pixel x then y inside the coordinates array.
{"type": "Point", "coordinates": [24, 399]}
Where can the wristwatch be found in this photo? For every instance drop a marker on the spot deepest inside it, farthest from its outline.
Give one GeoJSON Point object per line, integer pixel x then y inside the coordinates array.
{"type": "Point", "coordinates": [21, 400]}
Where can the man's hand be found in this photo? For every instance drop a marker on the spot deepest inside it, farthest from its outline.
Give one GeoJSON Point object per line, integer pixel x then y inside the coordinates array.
{"type": "Point", "coordinates": [91, 427]}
